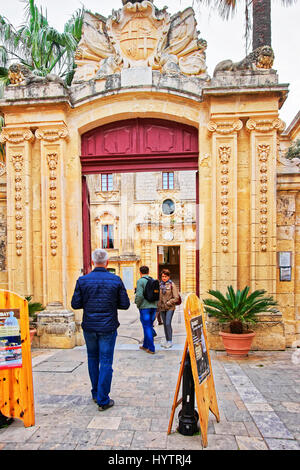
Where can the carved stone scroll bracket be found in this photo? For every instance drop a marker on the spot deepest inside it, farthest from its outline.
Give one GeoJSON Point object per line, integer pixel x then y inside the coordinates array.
{"type": "Point", "coordinates": [265, 125]}
{"type": "Point", "coordinates": [16, 136]}
{"type": "Point", "coordinates": [225, 127]}
{"type": "Point", "coordinates": [52, 134]}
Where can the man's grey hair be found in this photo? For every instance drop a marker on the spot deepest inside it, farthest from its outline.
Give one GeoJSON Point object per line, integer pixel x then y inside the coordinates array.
{"type": "Point", "coordinates": [99, 256]}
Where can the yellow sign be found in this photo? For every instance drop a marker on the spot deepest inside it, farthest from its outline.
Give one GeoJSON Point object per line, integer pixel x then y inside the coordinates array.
{"type": "Point", "coordinates": [16, 385]}
{"type": "Point", "coordinates": [196, 344]}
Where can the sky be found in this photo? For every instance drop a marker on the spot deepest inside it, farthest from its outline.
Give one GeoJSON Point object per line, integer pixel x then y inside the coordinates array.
{"type": "Point", "coordinates": [225, 38]}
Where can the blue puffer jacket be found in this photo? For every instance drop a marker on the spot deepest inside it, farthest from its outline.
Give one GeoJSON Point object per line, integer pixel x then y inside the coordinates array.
{"type": "Point", "coordinates": [100, 294]}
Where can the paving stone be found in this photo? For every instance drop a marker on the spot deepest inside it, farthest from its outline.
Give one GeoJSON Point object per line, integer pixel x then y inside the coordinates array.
{"type": "Point", "coordinates": [136, 424]}
{"type": "Point", "coordinates": [16, 432]}
{"type": "Point", "coordinates": [270, 425]}
{"type": "Point", "coordinates": [250, 443]}
{"type": "Point", "coordinates": [49, 434]}
{"type": "Point", "coordinates": [159, 424]}
{"type": "Point", "coordinates": [283, 444]}
{"type": "Point", "coordinates": [258, 407]}
{"type": "Point", "coordinates": [218, 442]}
{"type": "Point", "coordinates": [149, 440]}
{"type": "Point", "coordinates": [23, 446]}
{"type": "Point", "coordinates": [56, 446]}
{"type": "Point", "coordinates": [226, 428]}
{"type": "Point", "coordinates": [115, 438]}
{"type": "Point", "coordinates": [292, 407]}
{"type": "Point", "coordinates": [252, 430]}
{"type": "Point", "coordinates": [177, 441]}
{"type": "Point", "coordinates": [83, 436]}
{"type": "Point", "coordinates": [105, 422]}
{"type": "Point", "coordinates": [91, 447]}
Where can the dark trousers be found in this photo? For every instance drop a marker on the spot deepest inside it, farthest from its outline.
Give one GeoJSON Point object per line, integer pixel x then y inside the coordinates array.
{"type": "Point", "coordinates": [167, 319]}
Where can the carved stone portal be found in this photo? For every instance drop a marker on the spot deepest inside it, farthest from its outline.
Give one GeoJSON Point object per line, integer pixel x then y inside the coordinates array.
{"type": "Point", "coordinates": [139, 35]}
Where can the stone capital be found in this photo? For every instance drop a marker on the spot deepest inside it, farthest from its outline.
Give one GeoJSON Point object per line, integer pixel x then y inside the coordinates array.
{"type": "Point", "coordinates": [265, 125]}
{"type": "Point", "coordinates": [52, 134]}
{"type": "Point", "coordinates": [225, 127]}
{"type": "Point", "coordinates": [16, 136]}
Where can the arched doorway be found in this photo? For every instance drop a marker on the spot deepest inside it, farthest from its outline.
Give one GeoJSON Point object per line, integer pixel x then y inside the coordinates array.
{"type": "Point", "coordinates": [136, 145]}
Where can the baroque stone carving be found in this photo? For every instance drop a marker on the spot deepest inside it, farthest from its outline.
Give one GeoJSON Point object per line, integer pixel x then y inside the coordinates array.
{"type": "Point", "coordinates": [2, 168]}
{"type": "Point", "coordinates": [263, 151]}
{"type": "Point", "coordinates": [52, 160]}
{"type": "Point", "coordinates": [265, 125]}
{"type": "Point", "coordinates": [16, 136]}
{"type": "Point", "coordinates": [17, 161]}
{"type": "Point", "coordinates": [261, 58]}
{"type": "Point", "coordinates": [140, 35]}
{"type": "Point", "coordinates": [19, 74]}
{"type": "Point", "coordinates": [52, 134]}
{"type": "Point", "coordinates": [225, 127]}
{"type": "Point", "coordinates": [224, 156]}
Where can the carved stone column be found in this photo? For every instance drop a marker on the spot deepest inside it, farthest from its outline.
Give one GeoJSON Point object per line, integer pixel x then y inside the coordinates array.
{"type": "Point", "coordinates": [263, 150]}
{"type": "Point", "coordinates": [224, 202]}
{"type": "Point", "coordinates": [19, 209]}
{"type": "Point", "coordinates": [56, 325]}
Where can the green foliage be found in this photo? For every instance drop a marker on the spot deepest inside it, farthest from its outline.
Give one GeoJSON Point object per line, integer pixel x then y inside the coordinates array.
{"type": "Point", "coordinates": [37, 45]}
{"type": "Point", "coordinates": [293, 150]}
{"type": "Point", "coordinates": [238, 308]}
{"type": "Point", "coordinates": [33, 307]}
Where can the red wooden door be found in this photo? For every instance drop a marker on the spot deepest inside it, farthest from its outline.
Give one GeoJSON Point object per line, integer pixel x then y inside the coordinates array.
{"type": "Point", "coordinates": [139, 145]}
{"type": "Point", "coordinates": [87, 261]}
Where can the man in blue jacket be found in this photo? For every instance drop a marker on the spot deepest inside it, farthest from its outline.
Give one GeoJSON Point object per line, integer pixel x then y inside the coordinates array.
{"type": "Point", "coordinates": [100, 294]}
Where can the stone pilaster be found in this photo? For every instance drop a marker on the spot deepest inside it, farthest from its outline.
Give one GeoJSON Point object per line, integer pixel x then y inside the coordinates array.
{"type": "Point", "coordinates": [19, 210]}
{"type": "Point", "coordinates": [263, 148]}
{"type": "Point", "coordinates": [224, 202]}
{"type": "Point", "coordinates": [56, 325]}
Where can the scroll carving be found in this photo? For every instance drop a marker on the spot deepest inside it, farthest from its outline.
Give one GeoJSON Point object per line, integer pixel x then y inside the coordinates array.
{"type": "Point", "coordinates": [52, 160]}
{"type": "Point", "coordinates": [14, 136]}
{"type": "Point", "coordinates": [17, 161]}
{"type": "Point", "coordinates": [52, 134]}
{"type": "Point", "coordinates": [263, 155]}
{"type": "Point", "coordinates": [225, 127]}
{"type": "Point", "coordinates": [224, 156]}
{"type": "Point", "coordinates": [265, 125]}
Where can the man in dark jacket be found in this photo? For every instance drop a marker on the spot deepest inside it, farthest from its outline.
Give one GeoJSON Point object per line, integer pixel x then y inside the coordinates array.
{"type": "Point", "coordinates": [100, 294]}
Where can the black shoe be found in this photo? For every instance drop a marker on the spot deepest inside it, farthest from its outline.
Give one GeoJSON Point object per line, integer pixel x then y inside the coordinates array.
{"type": "Point", "coordinates": [105, 407]}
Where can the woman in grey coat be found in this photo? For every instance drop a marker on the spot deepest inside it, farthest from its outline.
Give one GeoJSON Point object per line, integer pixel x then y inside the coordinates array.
{"type": "Point", "coordinates": [168, 298]}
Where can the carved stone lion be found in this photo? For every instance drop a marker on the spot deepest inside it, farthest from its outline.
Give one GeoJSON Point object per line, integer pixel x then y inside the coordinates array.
{"type": "Point", "coordinates": [19, 74]}
{"type": "Point", "coordinates": [260, 58]}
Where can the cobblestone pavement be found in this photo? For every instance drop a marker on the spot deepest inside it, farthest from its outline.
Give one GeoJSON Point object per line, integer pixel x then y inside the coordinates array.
{"type": "Point", "coordinates": [258, 399]}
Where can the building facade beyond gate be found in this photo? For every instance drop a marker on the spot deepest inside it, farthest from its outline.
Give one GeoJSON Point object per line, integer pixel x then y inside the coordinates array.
{"type": "Point", "coordinates": [142, 101]}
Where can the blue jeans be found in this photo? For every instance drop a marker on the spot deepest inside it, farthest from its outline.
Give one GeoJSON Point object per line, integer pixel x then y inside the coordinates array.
{"type": "Point", "coordinates": [147, 317]}
{"type": "Point", "coordinates": [100, 351]}
{"type": "Point", "coordinates": [167, 320]}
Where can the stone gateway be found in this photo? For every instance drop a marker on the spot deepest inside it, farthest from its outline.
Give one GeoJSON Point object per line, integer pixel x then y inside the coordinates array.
{"type": "Point", "coordinates": [142, 100]}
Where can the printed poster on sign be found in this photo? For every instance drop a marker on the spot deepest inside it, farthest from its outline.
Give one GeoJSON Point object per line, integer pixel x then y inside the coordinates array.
{"type": "Point", "coordinates": [200, 348]}
{"type": "Point", "coordinates": [10, 339]}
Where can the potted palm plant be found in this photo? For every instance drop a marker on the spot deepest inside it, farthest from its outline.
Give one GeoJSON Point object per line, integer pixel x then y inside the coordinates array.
{"type": "Point", "coordinates": [238, 309]}
{"type": "Point", "coordinates": [33, 308]}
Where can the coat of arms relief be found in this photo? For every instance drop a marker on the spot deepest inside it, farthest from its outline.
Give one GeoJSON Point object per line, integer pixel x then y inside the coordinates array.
{"type": "Point", "coordinates": [140, 35]}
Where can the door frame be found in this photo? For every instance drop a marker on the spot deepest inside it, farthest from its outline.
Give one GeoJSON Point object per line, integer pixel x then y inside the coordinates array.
{"type": "Point", "coordinates": [101, 162]}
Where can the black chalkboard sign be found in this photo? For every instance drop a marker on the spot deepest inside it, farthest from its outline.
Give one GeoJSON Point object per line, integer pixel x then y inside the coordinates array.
{"type": "Point", "coordinates": [200, 348]}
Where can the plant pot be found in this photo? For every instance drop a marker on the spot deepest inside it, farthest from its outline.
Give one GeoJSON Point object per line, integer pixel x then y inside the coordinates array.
{"type": "Point", "coordinates": [32, 333]}
{"type": "Point", "coordinates": [237, 345]}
